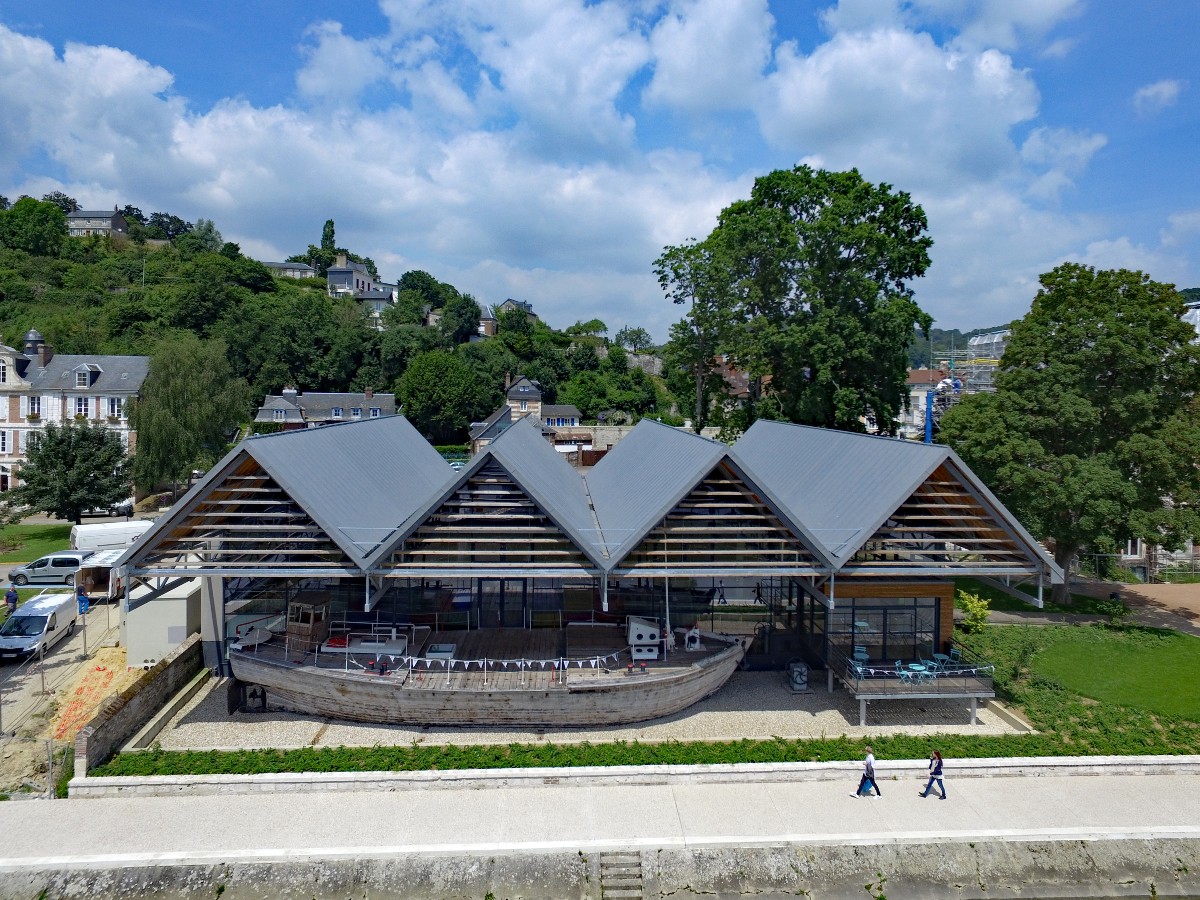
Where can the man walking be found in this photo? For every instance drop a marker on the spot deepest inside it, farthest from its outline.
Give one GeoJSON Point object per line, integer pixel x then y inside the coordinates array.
{"type": "Point", "coordinates": [935, 774]}
{"type": "Point", "coordinates": [10, 599]}
{"type": "Point", "coordinates": [868, 776]}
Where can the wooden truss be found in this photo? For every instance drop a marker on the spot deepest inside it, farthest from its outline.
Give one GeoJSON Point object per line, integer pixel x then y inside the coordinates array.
{"type": "Point", "coordinates": [721, 526]}
{"type": "Point", "coordinates": [488, 525]}
{"type": "Point", "coordinates": [942, 526]}
{"type": "Point", "coordinates": [246, 523]}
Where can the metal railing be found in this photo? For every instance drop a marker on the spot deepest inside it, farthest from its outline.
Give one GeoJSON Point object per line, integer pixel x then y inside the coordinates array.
{"type": "Point", "coordinates": [960, 675]}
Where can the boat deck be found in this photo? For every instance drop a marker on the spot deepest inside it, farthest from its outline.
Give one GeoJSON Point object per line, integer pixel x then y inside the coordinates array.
{"type": "Point", "coordinates": [496, 658]}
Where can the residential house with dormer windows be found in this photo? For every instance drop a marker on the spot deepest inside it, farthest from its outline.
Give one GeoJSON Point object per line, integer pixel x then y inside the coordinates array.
{"type": "Point", "coordinates": [38, 386]}
{"type": "Point", "coordinates": [293, 410]}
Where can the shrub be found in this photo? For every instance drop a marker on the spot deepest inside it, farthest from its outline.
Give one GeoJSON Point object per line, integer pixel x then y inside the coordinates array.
{"type": "Point", "coordinates": [975, 612]}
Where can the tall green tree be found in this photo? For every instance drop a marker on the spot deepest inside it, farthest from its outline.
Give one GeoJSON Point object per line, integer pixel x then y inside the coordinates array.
{"type": "Point", "coordinates": [699, 275]}
{"type": "Point", "coordinates": [190, 406]}
{"type": "Point", "coordinates": [441, 396]}
{"type": "Point", "coordinates": [72, 467]}
{"type": "Point", "coordinates": [35, 226]}
{"type": "Point", "coordinates": [460, 319]}
{"type": "Point", "coordinates": [1092, 436]}
{"type": "Point", "coordinates": [328, 241]}
{"type": "Point", "coordinates": [822, 265]}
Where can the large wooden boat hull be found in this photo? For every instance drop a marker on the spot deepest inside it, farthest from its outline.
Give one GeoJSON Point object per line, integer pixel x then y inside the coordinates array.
{"type": "Point", "coordinates": [586, 699]}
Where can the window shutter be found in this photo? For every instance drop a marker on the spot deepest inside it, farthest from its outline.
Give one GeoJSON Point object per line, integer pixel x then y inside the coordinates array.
{"type": "Point", "coordinates": [24, 406]}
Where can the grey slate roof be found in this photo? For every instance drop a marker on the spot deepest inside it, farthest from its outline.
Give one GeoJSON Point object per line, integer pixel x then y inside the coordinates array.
{"type": "Point", "coordinates": [113, 374]}
{"type": "Point", "coordinates": [369, 484]}
{"type": "Point", "coordinates": [555, 410]}
{"type": "Point", "coordinates": [643, 477]}
{"type": "Point", "coordinates": [493, 426]}
{"type": "Point", "coordinates": [318, 407]}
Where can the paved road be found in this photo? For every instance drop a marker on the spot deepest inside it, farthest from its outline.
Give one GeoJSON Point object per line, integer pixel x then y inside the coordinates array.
{"type": "Point", "coordinates": [475, 821]}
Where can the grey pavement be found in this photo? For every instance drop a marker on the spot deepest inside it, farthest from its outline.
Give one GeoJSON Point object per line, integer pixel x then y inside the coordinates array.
{"type": "Point", "coordinates": [598, 815]}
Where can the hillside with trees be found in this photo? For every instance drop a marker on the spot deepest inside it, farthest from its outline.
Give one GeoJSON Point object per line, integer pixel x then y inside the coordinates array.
{"type": "Point", "coordinates": [178, 292]}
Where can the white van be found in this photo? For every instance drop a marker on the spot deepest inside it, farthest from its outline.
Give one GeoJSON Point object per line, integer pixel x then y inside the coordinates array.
{"type": "Point", "coordinates": [45, 620]}
{"type": "Point", "coordinates": [107, 535]}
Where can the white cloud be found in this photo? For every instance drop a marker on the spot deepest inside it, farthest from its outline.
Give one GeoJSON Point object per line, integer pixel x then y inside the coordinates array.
{"type": "Point", "coordinates": [981, 24]}
{"type": "Point", "coordinates": [899, 107]}
{"type": "Point", "coordinates": [337, 67]}
{"type": "Point", "coordinates": [499, 149]}
{"type": "Point", "coordinates": [709, 54]}
{"type": "Point", "coordinates": [1154, 98]}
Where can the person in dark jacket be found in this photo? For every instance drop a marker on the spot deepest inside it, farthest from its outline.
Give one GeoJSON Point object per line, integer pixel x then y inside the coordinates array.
{"type": "Point", "coordinates": [935, 774]}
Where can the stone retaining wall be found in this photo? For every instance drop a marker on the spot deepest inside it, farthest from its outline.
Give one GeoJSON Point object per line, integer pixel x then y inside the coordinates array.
{"type": "Point", "coordinates": [121, 715]}
{"type": "Point", "coordinates": [1130, 867]}
{"type": "Point", "coordinates": [1038, 766]}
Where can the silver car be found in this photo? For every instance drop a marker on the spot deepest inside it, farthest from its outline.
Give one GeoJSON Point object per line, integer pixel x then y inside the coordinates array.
{"type": "Point", "coordinates": [53, 568]}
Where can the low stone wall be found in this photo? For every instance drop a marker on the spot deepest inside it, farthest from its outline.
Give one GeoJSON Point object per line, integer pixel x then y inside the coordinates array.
{"type": "Point", "coordinates": [121, 715]}
{"type": "Point", "coordinates": [945, 870]}
{"type": "Point", "coordinates": [728, 773]}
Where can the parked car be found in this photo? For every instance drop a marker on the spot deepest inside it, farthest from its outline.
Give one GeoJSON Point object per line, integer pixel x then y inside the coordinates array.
{"type": "Point", "coordinates": [45, 620]}
{"type": "Point", "coordinates": [120, 508]}
{"type": "Point", "coordinates": [53, 568]}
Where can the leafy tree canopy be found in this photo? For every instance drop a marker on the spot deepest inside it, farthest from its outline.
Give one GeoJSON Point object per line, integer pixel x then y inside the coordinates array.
{"type": "Point", "coordinates": [822, 264]}
{"type": "Point", "coordinates": [38, 227]}
{"type": "Point", "coordinates": [592, 327]}
{"type": "Point", "coordinates": [73, 467]}
{"type": "Point", "coordinates": [636, 339]}
{"type": "Point", "coordinates": [1093, 433]}
{"type": "Point", "coordinates": [441, 396]}
{"type": "Point", "coordinates": [189, 408]}
{"type": "Point", "coordinates": [62, 201]}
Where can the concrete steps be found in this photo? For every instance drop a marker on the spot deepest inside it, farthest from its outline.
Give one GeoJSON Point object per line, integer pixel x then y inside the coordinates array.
{"type": "Point", "coordinates": [621, 875]}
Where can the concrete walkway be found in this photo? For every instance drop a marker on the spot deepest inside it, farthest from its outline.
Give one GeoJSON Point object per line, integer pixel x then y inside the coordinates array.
{"type": "Point", "coordinates": [552, 829]}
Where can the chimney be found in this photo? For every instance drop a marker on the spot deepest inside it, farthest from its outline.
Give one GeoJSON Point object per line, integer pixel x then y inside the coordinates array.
{"type": "Point", "coordinates": [507, 380]}
{"type": "Point", "coordinates": [341, 260]}
{"type": "Point", "coordinates": [45, 354]}
{"type": "Point", "coordinates": [368, 393]}
{"type": "Point", "coordinates": [289, 393]}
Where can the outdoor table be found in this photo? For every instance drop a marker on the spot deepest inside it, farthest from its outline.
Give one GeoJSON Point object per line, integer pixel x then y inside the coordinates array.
{"type": "Point", "coordinates": [916, 667]}
{"type": "Point", "coordinates": [941, 658]}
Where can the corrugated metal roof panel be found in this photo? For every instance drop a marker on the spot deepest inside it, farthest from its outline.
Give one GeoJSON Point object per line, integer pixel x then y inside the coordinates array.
{"type": "Point", "coordinates": [838, 485]}
{"type": "Point", "coordinates": [549, 479]}
{"type": "Point", "coordinates": [642, 478]}
{"type": "Point", "coordinates": [358, 480]}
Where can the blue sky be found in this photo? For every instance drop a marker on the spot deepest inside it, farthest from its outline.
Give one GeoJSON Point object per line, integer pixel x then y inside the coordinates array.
{"type": "Point", "coordinates": [548, 149]}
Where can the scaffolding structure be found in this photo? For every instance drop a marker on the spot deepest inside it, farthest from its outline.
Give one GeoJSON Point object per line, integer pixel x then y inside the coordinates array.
{"type": "Point", "coordinates": [970, 371]}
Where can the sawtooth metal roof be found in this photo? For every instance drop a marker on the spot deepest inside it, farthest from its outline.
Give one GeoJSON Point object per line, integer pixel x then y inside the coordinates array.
{"type": "Point", "coordinates": [643, 477]}
{"type": "Point", "coordinates": [550, 480]}
{"type": "Point", "coordinates": [541, 472]}
{"type": "Point", "coordinates": [841, 486]}
{"type": "Point", "coordinates": [358, 480]}
{"type": "Point", "coordinates": [369, 484]}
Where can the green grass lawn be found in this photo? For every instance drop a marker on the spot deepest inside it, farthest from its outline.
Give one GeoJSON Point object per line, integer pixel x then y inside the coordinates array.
{"type": "Point", "coordinates": [1154, 670]}
{"type": "Point", "coordinates": [25, 543]}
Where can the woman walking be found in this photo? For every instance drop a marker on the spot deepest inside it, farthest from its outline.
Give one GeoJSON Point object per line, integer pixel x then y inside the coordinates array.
{"type": "Point", "coordinates": [868, 777]}
{"type": "Point", "coordinates": [935, 774]}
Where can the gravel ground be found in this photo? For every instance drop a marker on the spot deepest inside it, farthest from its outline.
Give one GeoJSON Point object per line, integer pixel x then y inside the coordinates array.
{"type": "Point", "coordinates": [751, 705]}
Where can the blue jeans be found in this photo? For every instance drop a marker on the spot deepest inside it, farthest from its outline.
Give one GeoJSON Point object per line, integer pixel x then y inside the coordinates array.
{"type": "Point", "coordinates": [929, 787]}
